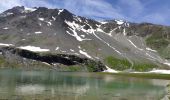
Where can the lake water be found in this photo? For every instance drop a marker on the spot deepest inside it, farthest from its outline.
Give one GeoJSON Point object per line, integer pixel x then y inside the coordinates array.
{"type": "Point", "coordinates": [52, 85]}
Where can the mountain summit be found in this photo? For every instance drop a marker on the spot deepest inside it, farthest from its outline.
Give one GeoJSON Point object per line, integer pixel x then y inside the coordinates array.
{"type": "Point", "coordinates": [117, 44]}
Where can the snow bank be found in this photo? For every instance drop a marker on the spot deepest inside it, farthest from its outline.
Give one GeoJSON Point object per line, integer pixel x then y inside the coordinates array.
{"type": "Point", "coordinates": [3, 44]}
{"type": "Point", "coordinates": [110, 70]}
{"type": "Point", "coordinates": [33, 48]}
{"type": "Point", "coordinates": [60, 11]}
{"type": "Point", "coordinates": [85, 53]}
{"type": "Point", "coordinates": [149, 49]}
{"type": "Point", "coordinates": [41, 19]}
{"type": "Point", "coordinates": [160, 71]}
{"type": "Point", "coordinates": [39, 32]}
{"type": "Point", "coordinates": [30, 9]}
{"type": "Point", "coordinates": [119, 22]}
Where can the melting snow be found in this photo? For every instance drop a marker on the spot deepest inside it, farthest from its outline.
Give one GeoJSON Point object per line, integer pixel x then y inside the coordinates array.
{"type": "Point", "coordinates": [107, 44]}
{"type": "Point", "coordinates": [33, 48]}
{"type": "Point", "coordinates": [161, 71]}
{"type": "Point", "coordinates": [3, 44]}
{"type": "Point", "coordinates": [53, 18]}
{"type": "Point", "coordinates": [5, 28]}
{"type": "Point", "coordinates": [110, 70]}
{"type": "Point", "coordinates": [150, 56]}
{"type": "Point", "coordinates": [49, 23]}
{"type": "Point", "coordinates": [103, 22]}
{"type": "Point", "coordinates": [119, 22]}
{"type": "Point", "coordinates": [166, 63]}
{"type": "Point", "coordinates": [41, 19]}
{"type": "Point", "coordinates": [63, 51]}
{"type": "Point", "coordinates": [79, 47]}
{"type": "Point", "coordinates": [134, 45]}
{"type": "Point", "coordinates": [100, 30]}
{"type": "Point", "coordinates": [57, 48]}
{"type": "Point", "coordinates": [82, 36]}
{"type": "Point", "coordinates": [85, 53]}
{"type": "Point", "coordinates": [71, 50]}
{"type": "Point", "coordinates": [30, 9]}
{"type": "Point", "coordinates": [124, 32]}
{"type": "Point", "coordinates": [73, 28]}
{"type": "Point", "coordinates": [9, 13]}
{"type": "Point", "coordinates": [39, 32]}
{"type": "Point", "coordinates": [149, 49]}
{"type": "Point", "coordinates": [61, 10]}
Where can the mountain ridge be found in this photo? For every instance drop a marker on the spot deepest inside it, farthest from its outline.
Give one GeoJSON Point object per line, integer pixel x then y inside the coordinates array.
{"type": "Point", "coordinates": [119, 44]}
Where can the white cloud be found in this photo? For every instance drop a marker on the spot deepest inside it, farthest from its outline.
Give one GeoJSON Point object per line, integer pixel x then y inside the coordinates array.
{"type": "Point", "coordinates": [93, 8]}
{"type": "Point", "coordinates": [131, 10]}
{"type": "Point", "coordinates": [7, 4]}
{"type": "Point", "coordinates": [87, 8]}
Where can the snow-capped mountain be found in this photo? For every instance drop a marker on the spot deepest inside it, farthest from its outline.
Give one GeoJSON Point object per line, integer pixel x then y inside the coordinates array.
{"type": "Point", "coordinates": [118, 44]}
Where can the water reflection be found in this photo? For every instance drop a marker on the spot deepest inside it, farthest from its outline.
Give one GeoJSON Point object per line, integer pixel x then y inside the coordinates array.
{"type": "Point", "coordinates": [16, 84]}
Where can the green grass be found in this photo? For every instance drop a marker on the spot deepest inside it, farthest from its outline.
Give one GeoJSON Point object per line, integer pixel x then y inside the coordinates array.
{"type": "Point", "coordinates": [141, 75]}
{"type": "Point", "coordinates": [157, 43]}
{"type": "Point", "coordinates": [143, 67]}
{"type": "Point", "coordinates": [118, 64]}
{"type": "Point", "coordinates": [71, 68]}
{"type": "Point", "coordinates": [123, 64]}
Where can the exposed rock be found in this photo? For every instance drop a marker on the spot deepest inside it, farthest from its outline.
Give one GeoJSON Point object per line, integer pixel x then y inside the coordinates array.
{"type": "Point", "coordinates": [15, 54]}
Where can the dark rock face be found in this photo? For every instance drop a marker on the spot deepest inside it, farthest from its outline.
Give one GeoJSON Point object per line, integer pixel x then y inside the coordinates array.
{"type": "Point", "coordinates": [51, 59]}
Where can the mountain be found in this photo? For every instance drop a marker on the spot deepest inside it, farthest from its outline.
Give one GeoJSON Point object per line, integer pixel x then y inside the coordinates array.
{"type": "Point", "coordinates": [115, 44]}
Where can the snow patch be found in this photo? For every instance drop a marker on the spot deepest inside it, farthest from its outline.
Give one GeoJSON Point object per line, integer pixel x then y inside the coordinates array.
{"type": "Point", "coordinates": [124, 32]}
{"type": "Point", "coordinates": [160, 71]}
{"type": "Point", "coordinates": [150, 56]}
{"type": "Point", "coordinates": [110, 70]}
{"type": "Point", "coordinates": [57, 48]}
{"type": "Point", "coordinates": [149, 49]}
{"type": "Point", "coordinates": [79, 47]}
{"type": "Point", "coordinates": [33, 48]}
{"type": "Point", "coordinates": [53, 18]}
{"type": "Point", "coordinates": [9, 13]}
{"type": "Point", "coordinates": [83, 36]}
{"type": "Point", "coordinates": [71, 50]}
{"type": "Point", "coordinates": [166, 63]}
{"type": "Point", "coordinates": [73, 28]}
{"type": "Point", "coordinates": [107, 44]}
{"type": "Point", "coordinates": [119, 22]}
{"type": "Point", "coordinates": [103, 22]}
{"type": "Point", "coordinates": [30, 9]}
{"type": "Point", "coordinates": [49, 23]}
{"type": "Point", "coordinates": [41, 19]}
{"type": "Point", "coordinates": [60, 11]}
{"type": "Point", "coordinates": [3, 44]}
{"type": "Point", "coordinates": [100, 30]}
{"type": "Point", "coordinates": [63, 51]}
{"type": "Point", "coordinates": [5, 28]}
{"type": "Point", "coordinates": [135, 45]}
{"type": "Point", "coordinates": [39, 32]}
{"type": "Point", "coordinates": [85, 53]}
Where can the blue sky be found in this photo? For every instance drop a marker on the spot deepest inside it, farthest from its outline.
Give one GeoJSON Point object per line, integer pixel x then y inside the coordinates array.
{"type": "Point", "coordinates": [153, 11]}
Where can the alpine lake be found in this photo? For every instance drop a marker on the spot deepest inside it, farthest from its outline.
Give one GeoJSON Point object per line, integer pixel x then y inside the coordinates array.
{"type": "Point", "coordinates": [52, 85]}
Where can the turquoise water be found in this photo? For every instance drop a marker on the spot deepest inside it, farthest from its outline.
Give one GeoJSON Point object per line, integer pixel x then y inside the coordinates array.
{"type": "Point", "coordinates": [52, 85]}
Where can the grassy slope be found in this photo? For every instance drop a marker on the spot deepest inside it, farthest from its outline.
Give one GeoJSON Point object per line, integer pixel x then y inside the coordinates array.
{"type": "Point", "coordinates": [123, 64]}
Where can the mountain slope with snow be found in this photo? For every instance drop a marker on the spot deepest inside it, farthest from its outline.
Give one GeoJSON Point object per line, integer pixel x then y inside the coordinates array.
{"type": "Point", "coordinates": [119, 44]}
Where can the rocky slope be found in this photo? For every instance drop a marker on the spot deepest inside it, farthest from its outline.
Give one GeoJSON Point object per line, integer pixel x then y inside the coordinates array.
{"type": "Point", "coordinates": [120, 45]}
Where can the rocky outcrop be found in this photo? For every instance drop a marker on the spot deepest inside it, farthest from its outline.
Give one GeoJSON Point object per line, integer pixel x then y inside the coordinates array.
{"type": "Point", "coordinates": [12, 53]}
